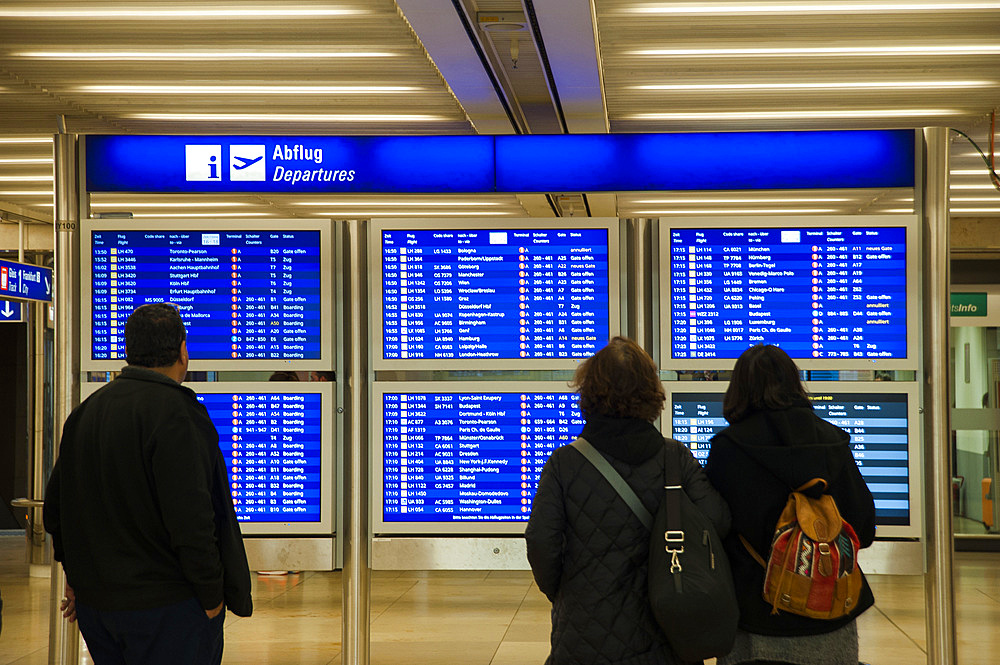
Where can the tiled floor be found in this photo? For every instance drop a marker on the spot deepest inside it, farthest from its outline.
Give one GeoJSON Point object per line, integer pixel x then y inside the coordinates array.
{"type": "Point", "coordinates": [482, 618]}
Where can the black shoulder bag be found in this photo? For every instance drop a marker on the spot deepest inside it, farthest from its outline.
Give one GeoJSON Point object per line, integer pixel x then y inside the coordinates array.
{"type": "Point", "coordinates": [690, 584]}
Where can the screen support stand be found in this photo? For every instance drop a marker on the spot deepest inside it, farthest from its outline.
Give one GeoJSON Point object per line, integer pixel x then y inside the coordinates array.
{"type": "Point", "coordinates": [357, 564]}
{"type": "Point", "coordinates": [938, 587]}
{"type": "Point", "coordinates": [64, 637]}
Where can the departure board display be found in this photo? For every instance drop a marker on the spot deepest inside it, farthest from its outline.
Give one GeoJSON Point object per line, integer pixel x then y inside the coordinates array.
{"type": "Point", "coordinates": [878, 423]}
{"type": "Point", "coordinates": [822, 293]}
{"type": "Point", "coordinates": [249, 296]}
{"type": "Point", "coordinates": [526, 297]}
{"type": "Point", "coordinates": [277, 442]}
{"type": "Point", "coordinates": [273, 447]}
{"type": "Point", "coordinates": [468, 456]}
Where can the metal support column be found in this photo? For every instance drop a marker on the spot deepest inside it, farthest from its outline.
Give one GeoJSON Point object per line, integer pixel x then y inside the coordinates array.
{"type": "Point", "coordinates": [939, 539]}
{"type": "Point", "coordinates": [64, 637]}
{"type": "Point", "coordinates": [357, 566]}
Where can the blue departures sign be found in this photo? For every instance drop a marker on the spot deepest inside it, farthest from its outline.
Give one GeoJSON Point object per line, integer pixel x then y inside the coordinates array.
{"type": "Point", "coordinates": [455, 164]}
{"type": "Point", "coordinates": [244, 294]}
{"type": "Point", "coordinates": [272, 444]}
{"type": "Point", "coordinates": [470, 457]}
{"type": "Point", "coordinates": [815, 292]}
{"type": "Point", "coordinates": [22, 281]}
{"type": "Point", "coordinates": [508, 293]}
{"type": "Point", "coordinates": [877, 422]}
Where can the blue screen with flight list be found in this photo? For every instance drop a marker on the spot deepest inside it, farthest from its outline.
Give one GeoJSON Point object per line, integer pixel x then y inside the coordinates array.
{"type": "Point", "coordinates": [470, 456]}
{"type": "Point", "coordinates": [509, 293]}
{"type": "Point", "coordinates": [878, 424]}
{"type": "Point", "coordinates": [272, 444]}
{"type": "Point", "coordinates": [242, 294]}
{"type": "Point", "coordinates": [819, 292]}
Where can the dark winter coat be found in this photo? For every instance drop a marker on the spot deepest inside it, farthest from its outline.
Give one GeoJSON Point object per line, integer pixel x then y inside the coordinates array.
{"type": "Point", "coordinates": [588, 551]}
{"type": "Point", "coordinates": [754, 464]}
{"type": "Point", "coordinates": [139, 505]}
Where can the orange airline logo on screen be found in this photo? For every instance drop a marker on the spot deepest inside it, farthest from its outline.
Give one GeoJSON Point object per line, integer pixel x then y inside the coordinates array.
{"type": "Point", "coordinates": [3, 278]}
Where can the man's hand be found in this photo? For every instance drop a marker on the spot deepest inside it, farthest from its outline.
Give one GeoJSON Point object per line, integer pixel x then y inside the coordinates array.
{"type": "Point", "coordinates": [68, 604]}
{"type": "Point", "coordinates": [214, 612]}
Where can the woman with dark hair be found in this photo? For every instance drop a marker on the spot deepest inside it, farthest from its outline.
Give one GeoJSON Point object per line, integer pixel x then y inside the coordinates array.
{"type": "Point", "coordinates": [774, 444]}
{"type": "Point", "coordinates": [588, 551]}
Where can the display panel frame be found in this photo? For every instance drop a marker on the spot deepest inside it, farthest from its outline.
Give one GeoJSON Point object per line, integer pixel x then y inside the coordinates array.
{"type": "Point", "coordinates": [914, 432]}
{"type": "Point", "coordinates": [908, 222]}
{"type": "Point", "coordinates": [375, 269]}
{"type": "Point", "coordinates": [328, 474]}
{"type": "Point", "coordinates": [377, 437]}
{"type": "Point", "coordinates": [325, 228]}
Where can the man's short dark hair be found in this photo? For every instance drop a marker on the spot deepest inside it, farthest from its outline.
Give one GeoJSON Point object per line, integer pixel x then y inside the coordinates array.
{"type": "Point", "coordinates": [765, 378]}
{"type": "Point", "coordinates": [620, 381]}
{"type": "Point", "coordinates": [153, 335]}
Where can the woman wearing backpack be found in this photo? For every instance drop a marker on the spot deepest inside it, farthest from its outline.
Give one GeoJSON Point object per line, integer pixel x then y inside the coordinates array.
{"type": "Point", "coordinates": [587, 549]}
{"type": "Point", "coordinates": [775, 444]}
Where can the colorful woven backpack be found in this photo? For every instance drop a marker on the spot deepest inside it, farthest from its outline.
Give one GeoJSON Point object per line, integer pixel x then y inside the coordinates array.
{"type": "Point", "coordinates": [812, 568]}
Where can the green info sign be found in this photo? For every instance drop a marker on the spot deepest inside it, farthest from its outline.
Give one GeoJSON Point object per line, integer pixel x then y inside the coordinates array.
{"type": "Point", "coordinates": [968, 304]}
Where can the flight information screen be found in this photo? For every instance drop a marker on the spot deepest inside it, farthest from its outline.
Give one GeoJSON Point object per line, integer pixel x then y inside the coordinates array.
{"type": "Point", "coordinates": [242, 294]}
{"type": "Point", "coordinates": [821, 292]}
{"type": "Point", "coordinates": [272, 444]}
{"type": "Point", "coordinates": [503, 294]}
{"type": "Point", "coordinates": [470, 457]}
{"type": "Point", "coordinates": [877, 422]}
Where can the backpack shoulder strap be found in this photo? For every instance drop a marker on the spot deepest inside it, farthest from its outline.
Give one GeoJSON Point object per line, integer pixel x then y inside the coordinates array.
{"type": "Point", "coordinates": [615, 480]}
{"type": "Point", "coordinates": [758, 558]}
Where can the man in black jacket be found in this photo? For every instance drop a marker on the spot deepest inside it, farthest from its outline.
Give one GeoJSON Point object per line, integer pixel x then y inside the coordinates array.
{"type": "Point", "coordinates": [140, 510]}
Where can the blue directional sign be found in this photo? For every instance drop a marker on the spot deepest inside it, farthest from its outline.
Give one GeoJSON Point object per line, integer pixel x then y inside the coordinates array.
{"type": "Point", "coordinates": [472, 164]}
{"type": "Point", "coordinates": [21, 281]}
{"type": "Point", "coordinates": [11, 312]}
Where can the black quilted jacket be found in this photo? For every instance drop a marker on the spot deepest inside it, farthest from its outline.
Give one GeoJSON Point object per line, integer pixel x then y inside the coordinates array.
{"type": "Point", "coordinates": [588, 551]}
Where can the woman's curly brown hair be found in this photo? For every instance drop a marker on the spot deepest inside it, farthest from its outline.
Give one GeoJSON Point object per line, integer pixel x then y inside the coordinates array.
{"type": "Point", "coordinates": [620, 381]}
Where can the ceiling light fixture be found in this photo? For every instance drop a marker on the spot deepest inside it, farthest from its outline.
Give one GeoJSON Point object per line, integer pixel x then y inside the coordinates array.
{"type": "Point", "coordinates": [979, 211]}
{"type": "Point", "coordinates": [978, 187]}
{"type": "Point", "coordinates": [176, 13]}
{"type": "Point", "coordinates": [287, 117]}
{"type": "Point", "coordinates": [811, 8]}
{"type": "Point", "coordinates": [25, 140]}
{"type": "Point", "coordinates": [845, 85]}
{"type": "Point", "coordinates": [795, 115]}
{"type": "Point", "coordinates": [201, 215]}
{"type": "Point", "coordinates": [179, 204]}
{"type": "Point", "coordinates": [25, 178]}
{"type": "Point", "coordinates": [982, 171]}
{"type": "Point", "coordinates": [974, 199]}
{"type": "Point", "coordinates": [739, 200]}
{"type": "Point", "coordinates": [246, 89]}
{"type": "Point", "coordinates": [27, 160]}
{"type": "Point", "coordinates": [43, 193]}
{"type": "Point", "coordinates": [823, 51]}
{"type": "Point", "coordinates": [386, 204]}
{"type": "Point", "coordinates": [412, 213]}
{"type": "Point", "coordinates": [737, 211]}
{"type": "Point", "coordinates": [92, 54]}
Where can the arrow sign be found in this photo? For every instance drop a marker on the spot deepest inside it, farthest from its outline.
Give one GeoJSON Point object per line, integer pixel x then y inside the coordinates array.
{"type": "Point", "coordinates": [11, 312]}
{"type": "Point", "coordinates": [23, 281]}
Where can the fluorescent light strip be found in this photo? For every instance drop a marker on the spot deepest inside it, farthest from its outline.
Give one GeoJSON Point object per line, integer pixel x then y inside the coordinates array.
{"type": "Point", "coordinates": [823, 51]}
{"type": "Point", "coordinates": [199, 55]}
{"type": "Point", "coordinates": [975, 210]}
{"type": "Point", "coordinates": [978, 187]}
{"type": "Point", "coordinates": [843, 85]}
{"type": "Point", "coordinates": [199, 215]}
{"type": "Point", "coordinates": [811, 8]}
{"type": "Point", "coordinates": [286, 117]}
{"type": "Point", "coordinates": [981, 171]}
{"type": "Point", "coordinates": [739, 200]}
{"type": "Point", "coordinates": [27, 160]}
{"type": "Point", "coordinates": [736, 211]}
{"type": "Point", "coordinates": [895, 211]}
{"type": "Point", "coordinates": [182, 204]}
{"type": "Point", "coordinates": [179, 13]}
{"type": "Point", "coordinates": [47, 194]}
{"type": "Point", "coordinates": [795, 115]}
{"type": "Point", "coordinates": [25, 178]}
{"type": "Point", "coordinates": [413, 213]}
{"type": "Point", "coordinates": [975, 199]}
{"type": "Point", "coordinates": [386, 204]}
{"type": "Point", "coordinates": [246, 89]}
{"type": "Point", "coordinates": [25, 141]}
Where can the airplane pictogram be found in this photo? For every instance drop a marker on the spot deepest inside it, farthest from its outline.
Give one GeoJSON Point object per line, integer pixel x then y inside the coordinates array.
{"type": "Point", "coordinates": [245, 162]}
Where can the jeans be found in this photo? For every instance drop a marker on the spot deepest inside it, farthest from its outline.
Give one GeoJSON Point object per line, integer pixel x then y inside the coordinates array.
{"type": "Point", "coordinates": [168, 635]}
